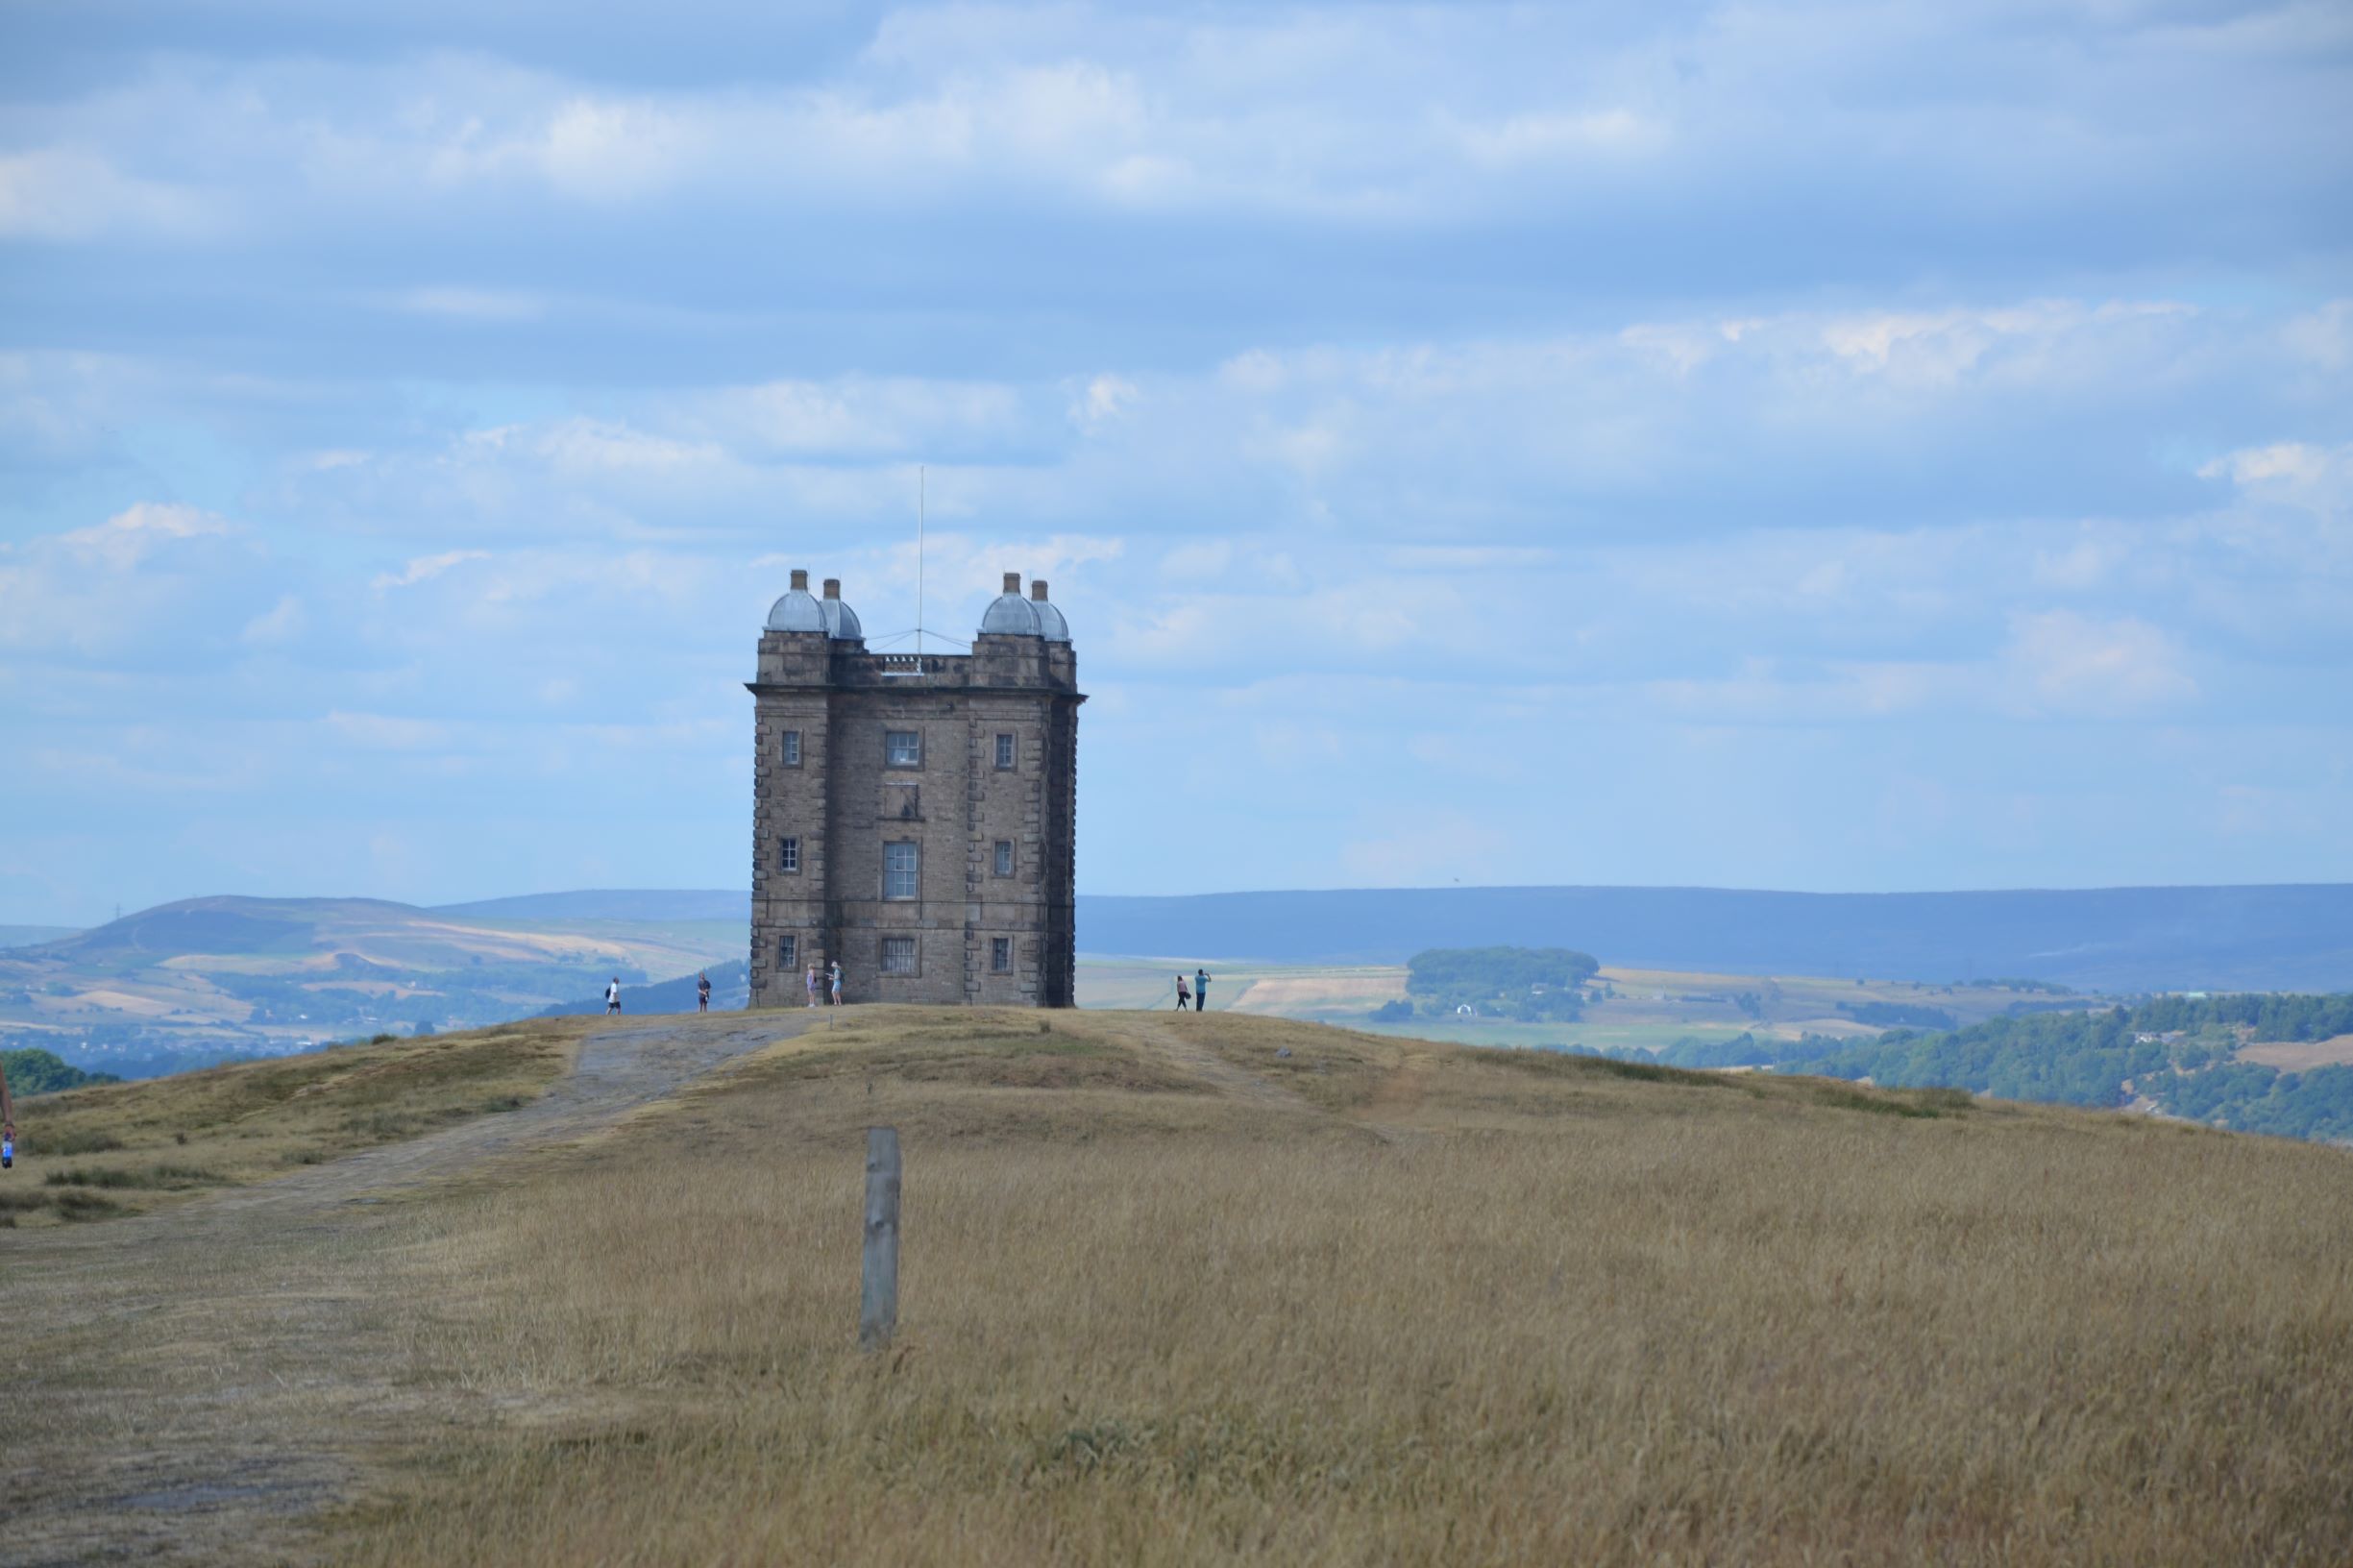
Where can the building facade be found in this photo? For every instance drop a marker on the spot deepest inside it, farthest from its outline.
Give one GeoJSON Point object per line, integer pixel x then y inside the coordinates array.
{"type": "Point", "coordinates": [913, 817]}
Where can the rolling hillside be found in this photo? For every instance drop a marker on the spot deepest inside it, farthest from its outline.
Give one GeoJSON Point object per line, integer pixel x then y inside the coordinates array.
{"type": "Point", "coordinates": [1220, 1289]}
{"type": "Point", "coordinates": [209, 978]}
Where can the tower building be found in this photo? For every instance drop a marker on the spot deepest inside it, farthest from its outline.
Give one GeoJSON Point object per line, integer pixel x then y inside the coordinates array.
{"type": "Point", "coordinates": [914, 817]}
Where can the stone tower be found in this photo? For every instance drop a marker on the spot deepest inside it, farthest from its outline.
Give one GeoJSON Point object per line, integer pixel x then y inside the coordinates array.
{"type": "Point", "coordinates": [913, 817]}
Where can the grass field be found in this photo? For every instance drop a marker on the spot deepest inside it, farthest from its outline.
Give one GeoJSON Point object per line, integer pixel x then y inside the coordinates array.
{"type": "Point", "coordinates": [126, 1148]}
{"type": "Point", "coordinates": [1170, 1296]}
{"type": "Point", "coordinates": [1642, 1009]}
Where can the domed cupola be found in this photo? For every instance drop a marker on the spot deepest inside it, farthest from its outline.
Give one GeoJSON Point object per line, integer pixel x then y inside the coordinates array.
{"type": "Point", "coordinates": [797, 610]}
{"type": "Point", "coordinates": [1009, 615]}
{"type": "Point", "coordinates": [1050, 624]}
{"type": "Point", "coordinates": [840, 621]}
{"type": "Point", "coordinates": [800, 610]}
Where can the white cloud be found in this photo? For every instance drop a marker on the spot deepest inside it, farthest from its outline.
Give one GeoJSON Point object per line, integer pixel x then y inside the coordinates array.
{"type": "Point", "coordinates": [152, 576]}
{"type": "Point", "coordinates": [2063, 661]}
{"type": "Point", "coordinates": [425, 568]}
{"type": "Point", "coordinates": [463, 304]}
{"type": "Point", "coordinates": [2316, 478]}
{"type": "Point", "coordinates": [282, 623]}
{"type": "Point", "coordinates": [67, 193]}
{"type": "Point", "coordinates": [385, 732]}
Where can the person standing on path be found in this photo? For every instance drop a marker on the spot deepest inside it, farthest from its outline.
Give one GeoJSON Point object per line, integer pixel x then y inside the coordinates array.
{"type": "Point", "coordinates": [702, 991]}
{"type": "Point", "coordinates": [612, 995]}
{"type": "Point", "coordinates": [812, 985]}
{"type": "Point", "coordinates": [836, 972]}
{"type": "Point", "coordinates": [8, 1117]}
{"type": "Point", "coordinates": [1201, 990]}
{"type": "Point", "coordinates": [1183, 996]}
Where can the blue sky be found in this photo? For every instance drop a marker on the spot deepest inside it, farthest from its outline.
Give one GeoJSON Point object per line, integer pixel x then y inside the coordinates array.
{"type": "Point", "coordinates": [1822, 447]}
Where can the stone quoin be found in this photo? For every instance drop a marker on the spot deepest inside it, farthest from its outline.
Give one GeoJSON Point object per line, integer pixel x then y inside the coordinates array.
{"type": "Point", "coordinates": [915, 817]}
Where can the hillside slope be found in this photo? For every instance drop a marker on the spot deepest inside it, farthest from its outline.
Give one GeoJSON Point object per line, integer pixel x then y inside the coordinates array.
{"type": "Point", "coordinates": [206, 977]}
{"type": "Point", "coordinates": [1218, 1290]}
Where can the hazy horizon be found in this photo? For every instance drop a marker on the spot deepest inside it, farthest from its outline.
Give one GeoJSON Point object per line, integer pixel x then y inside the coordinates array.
{"type": "Point", "coordinates": [1794, 448]}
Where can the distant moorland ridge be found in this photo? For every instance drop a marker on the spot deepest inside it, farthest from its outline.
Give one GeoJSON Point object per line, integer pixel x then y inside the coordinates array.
{"type": "Point", "coordinates": [2294, 937]}
{"type": "Point", "coordinates": [2283, 937]}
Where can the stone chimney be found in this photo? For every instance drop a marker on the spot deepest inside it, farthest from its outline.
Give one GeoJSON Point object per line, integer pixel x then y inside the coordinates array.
{"type": "Point", "coordinates": [1037, 590]}
{"type": "Point", "coordinates": [833, 587]}
{"type": "Point", "coordinates": [800, 578]}
{"type": "Point", "coordinates": [1012, 583]}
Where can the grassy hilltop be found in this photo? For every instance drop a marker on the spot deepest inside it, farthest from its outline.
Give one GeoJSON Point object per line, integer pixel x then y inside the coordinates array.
{"type": "Point", "coordinates": [1171, 1296]}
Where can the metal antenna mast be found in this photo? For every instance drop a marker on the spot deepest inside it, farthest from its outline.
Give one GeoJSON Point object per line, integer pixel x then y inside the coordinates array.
{"type": "Point", "coordinates": [918, 566]}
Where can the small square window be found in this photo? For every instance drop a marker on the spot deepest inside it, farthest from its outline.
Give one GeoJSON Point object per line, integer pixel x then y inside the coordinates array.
{"type": "Point", "coordinates": [788, 952]}
{"type": "Point", "coordinates": [792, 749]}
{"type": "Point", "coordinates": [788, 854]}
{"type": "Point", "coordinates": [1000, 954]}
{"type": "Point", "coordinates": [1004, 753]}
{"type": "Point", "coordinates": [898, 955]}
{"type": "Point", "coordinates": [1004, 857]}
{"type": "Point", "coordinates": [901, 870]}
{"type": "Point", "coordinates": [903, 747]}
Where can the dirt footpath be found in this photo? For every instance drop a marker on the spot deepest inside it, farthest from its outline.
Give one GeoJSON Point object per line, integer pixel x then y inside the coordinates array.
{"type": "Point", "coordinates": [187, 1387]}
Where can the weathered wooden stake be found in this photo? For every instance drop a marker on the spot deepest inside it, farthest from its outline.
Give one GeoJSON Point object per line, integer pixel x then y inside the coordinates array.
{"type": "Point", "coordinates": [879, 1296]}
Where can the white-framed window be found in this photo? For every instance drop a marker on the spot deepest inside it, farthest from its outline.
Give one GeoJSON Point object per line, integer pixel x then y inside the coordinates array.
{"type": "Point", "coordinates": [1004, 753]}
{"type": "Point", "coordinates": [788, 854]}
{"type": "Point", "coordinates": [1000, 955]}
{"type": "Point", "coordinates": [902, 867]}
{"type": "Point", "coordinates": [1004, 857]}
{"type": "Point", "coordinates": [903, 747]}
{"type": "Point", "coordinates": [898, 955]}
{"type": "Point", "coordinates": [792, 749]}
{"type": "Point", "coordinates": [788, 952]}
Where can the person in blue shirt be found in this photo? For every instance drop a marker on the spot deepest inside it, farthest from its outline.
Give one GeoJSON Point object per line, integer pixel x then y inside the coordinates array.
{"type": "Point", "coordinates": [1201, 990]}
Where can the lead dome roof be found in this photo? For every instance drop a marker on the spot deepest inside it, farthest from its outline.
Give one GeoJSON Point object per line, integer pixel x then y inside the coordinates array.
{"type": "Point", "coordinates": [1009, 615]}
{"type": "Point", "coordinates": [797, 611]}
{"type": "Point", "coordinates": [800, 610]}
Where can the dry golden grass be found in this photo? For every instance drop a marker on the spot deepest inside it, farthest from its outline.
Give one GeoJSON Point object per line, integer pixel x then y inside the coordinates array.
{"type": "Point", "coordinates": [2300, 1055]}
{"type": "Point", "coordinates": [1171, 1298]}
{"type": "Point", "coordinates": [124, 1148]}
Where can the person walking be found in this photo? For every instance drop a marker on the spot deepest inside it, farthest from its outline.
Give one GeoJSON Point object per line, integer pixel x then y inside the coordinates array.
{"type": "Point", "coordinates": [702, 991]}
{"type": "Point", "coordinates": [812, 985]}
{"type": "Point", "coordinates": [612, 995]}
{"type": "Point", "coordinates": [1183, 996]}
{"type": "Point", "coordinates": [836, 972]}
{"type": "Point", "coordinates": [8, 1123]}
{"type": "Point", "coordinates": [1201, 990]}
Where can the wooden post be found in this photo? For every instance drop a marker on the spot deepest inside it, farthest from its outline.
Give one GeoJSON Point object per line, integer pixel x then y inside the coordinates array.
{"type": "Point", "coordinates": [878, 1294]}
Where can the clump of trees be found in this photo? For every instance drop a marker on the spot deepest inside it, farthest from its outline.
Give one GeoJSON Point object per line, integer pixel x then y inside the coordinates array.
{"type": "Point", "coordinates": [1525, 984]}
{"type": "Point", "coordinates": [36, 1071]}
{"type": "Point", "coordinates": [2173, 1049]}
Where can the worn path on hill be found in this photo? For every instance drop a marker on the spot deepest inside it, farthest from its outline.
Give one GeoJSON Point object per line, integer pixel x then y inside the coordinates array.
{"type": "Point", "coordinates": [183, 1386]}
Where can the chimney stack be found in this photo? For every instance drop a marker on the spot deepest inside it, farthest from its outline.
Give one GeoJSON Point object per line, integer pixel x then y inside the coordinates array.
{"type": "Point", "coordinates": [800, 578]}
{"type": "Point", "coordinates": [1012, 583]}
{"type": "Point", "coordinates": [1037, 590]}
{"type": "Point", "coordinates": [833, 587]}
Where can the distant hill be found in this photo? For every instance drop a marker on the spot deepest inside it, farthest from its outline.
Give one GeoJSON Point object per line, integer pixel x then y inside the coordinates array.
{"type": "Point", "coordinates": [730, 992]}
{"type": "Point", "coordinates": [2281, 938]}
{"type": "Point", "coordinates": [612, 904]}
{"type": "Point", "coordinates": [202, 978]}
{"type": "Point", "coordinates": [2296, 937]}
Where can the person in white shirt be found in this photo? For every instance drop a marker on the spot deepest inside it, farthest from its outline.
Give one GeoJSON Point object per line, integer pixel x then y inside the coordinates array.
{"type": "Point", "coordinates": [612, 995]}
{"type": "Point", "coordinates": [812, 985]}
